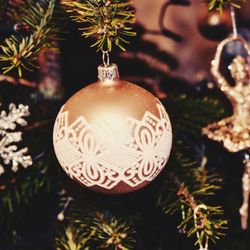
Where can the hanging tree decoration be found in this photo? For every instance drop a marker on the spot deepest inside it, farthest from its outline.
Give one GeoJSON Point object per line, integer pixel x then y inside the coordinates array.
{"type": "Point", "coordinates": [214, 22]}
{"type": "Point", "coordinates": [214, 25]}
{"type": "Point", "coordinates": [234, 131]}
{"type": "Point", "coordinates": [9, 152]}
{"type": "Point", "coordinates": [112, 136]}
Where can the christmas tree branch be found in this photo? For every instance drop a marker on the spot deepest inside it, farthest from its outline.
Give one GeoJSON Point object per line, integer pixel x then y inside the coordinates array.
{"type": "Point", "coordinates": [190, 184]}
{"type": "Point", "coordinates": [188, 197]}
{"type": "Point", "coordinates": [19, 81]}
{"type": "Point", "coordinates": [20, 53]}
{"type": "Point", "coordinates": [85, 229]}
{"type": "Point", "coordinates": [108, 21]}
{"type": "Point", "coordinates": [222, 4]}
{"type": "Point", "coordinates": [21, 190]}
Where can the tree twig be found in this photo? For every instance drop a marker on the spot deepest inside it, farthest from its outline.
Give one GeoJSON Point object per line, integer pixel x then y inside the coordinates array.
{"type": "Point", "coordinates": [19, 81]}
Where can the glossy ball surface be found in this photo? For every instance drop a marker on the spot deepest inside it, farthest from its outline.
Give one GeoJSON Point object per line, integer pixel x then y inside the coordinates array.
{"type": "Point", "coordinates": [113, 137]}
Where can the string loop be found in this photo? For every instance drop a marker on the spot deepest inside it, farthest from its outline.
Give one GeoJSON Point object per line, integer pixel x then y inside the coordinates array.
{"type": "Point", "coordinates": [105, 58]}
{"type": "Point", "coordinates": [233, 18]}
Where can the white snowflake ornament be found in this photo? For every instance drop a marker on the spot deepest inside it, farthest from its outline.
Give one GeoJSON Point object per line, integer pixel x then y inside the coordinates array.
{"type": "Point", "coordinates": [8, 150]}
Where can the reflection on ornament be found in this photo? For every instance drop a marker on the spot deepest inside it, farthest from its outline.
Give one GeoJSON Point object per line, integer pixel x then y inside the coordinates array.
{"type": "Point", "coordinates": [112, 136]}
{"type": "Point", "coordinates": [214, 19]}
{"type": "Point", "coordinates": [234, 131]}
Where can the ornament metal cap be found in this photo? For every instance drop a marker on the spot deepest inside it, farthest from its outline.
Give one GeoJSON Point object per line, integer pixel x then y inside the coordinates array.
{"type": "Point", "coordinates": [109, 72]}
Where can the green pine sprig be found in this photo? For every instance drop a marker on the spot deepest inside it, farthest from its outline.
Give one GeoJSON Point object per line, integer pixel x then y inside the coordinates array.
{"type": "Point", "coordinates": [189, 183]}
{"type": "Point", "coordinates": [24, 189]}
{"type": "Point", "coordinates": [21, 53]}
{"type": "Point", "coordinates": [84, 228]}
{"type": "Point", "coordinates": [183, 196]}
{"type": "Point", "coordinates": [68, 239]}
{"type": "Point", "coordinates": [223, 4]}
{"type": "Point", "coordinates": [108, 21]}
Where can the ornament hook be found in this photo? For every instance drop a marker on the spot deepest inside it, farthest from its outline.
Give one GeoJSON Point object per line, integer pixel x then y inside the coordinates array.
{"type": "Point", "coordinates": [60, 216]}
{"type": "Point", "coordinates": [196, 210]}
{"type": "Point", "coordinates": [105, 58]}
{"type": "Point", "coordinates": [232, 11]}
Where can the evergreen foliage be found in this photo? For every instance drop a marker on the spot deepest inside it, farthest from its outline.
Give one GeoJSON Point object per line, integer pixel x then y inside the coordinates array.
{"type": "Point", "coordinates": [187, 184]}
{"type": "Point", "coordinates": [21, 52]}
{"type": "Point", "coordinates": [108, 21]}
{"type": "Point", "coordinates": [222, 4]}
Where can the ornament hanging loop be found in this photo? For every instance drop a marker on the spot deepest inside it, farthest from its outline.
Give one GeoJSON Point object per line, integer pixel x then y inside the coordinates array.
{"type": "Point", "coordinates": [60, 216]}
{"type": "Point", "coordinates": [233, 18]}
{"type": "Point", "coordinates": [196, 211]}
{"type": "Point", "coordinates": [107, 71]}
{"type": "Point", "coordinates": [105, 58]}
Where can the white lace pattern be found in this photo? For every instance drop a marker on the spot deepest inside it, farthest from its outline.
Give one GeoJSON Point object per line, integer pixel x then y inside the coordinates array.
{"type": "Point", "coordinates": [96, 155]}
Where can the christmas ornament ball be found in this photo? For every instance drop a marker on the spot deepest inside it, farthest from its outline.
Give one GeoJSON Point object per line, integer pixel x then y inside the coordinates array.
{"type": "Point", "coordinates": [112, 136]}
{"type": "Point", "coordinates": [214, 25]}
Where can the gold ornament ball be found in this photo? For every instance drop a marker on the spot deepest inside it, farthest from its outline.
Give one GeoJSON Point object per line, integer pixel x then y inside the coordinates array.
{"type": "Point", "coordinates": [112, 136]}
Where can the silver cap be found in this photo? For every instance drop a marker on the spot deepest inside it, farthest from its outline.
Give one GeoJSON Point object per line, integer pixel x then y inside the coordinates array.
{"type": "Point", "coordinates": [109, 72]}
